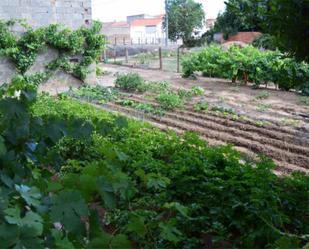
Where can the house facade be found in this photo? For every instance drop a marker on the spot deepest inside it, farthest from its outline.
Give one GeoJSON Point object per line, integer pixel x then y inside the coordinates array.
{"type": "Point", "coordinates": [138, 29]}
{"type": "Point", "coordinates": [147, 31]}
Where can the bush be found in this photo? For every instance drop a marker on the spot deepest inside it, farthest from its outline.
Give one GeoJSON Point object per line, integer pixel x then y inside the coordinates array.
{"type": "Point", "coordinates": [169, 100]}
{"type": "Point", "coordinates": [131, 82]}
{"type": "Point", "coordinates": [249, 64]}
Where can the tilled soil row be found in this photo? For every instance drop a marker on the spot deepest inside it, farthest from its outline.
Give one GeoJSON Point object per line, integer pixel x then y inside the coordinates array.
{"type": "Point", "coordinates": [273, 127]}
{"type": "Point", "coordinates": [301, 162]}
{"type": "Point", "coordinates": [278, 139]}
{"type": "Point", "coordinates": [241, 133]}
{"type": "Point", "coordinates": [283, 167]}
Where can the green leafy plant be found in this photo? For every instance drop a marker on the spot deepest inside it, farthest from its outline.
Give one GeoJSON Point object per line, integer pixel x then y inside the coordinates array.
{"type": "Point", "coordinates": [74, 176]}
{"type": "Point", "coordinates": [249, 64]}
{"type": "Point", "coordinates": [86, 43]}
{"type": "Point", "coordinates": [131, 82]}
{"type": "Point", "coordinates": [201, 106]}
{"type": "Point", "coordinates": [223, 110]}
{"type": "Point", "coordinates": [169, 100]}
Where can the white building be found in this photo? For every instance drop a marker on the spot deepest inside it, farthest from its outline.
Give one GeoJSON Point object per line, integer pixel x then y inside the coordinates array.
{"type": "Point", "coordinates": [147, 31]}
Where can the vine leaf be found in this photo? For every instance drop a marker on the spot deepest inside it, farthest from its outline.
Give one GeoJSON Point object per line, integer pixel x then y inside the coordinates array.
{"type": "Point", "coordinates": [30, 220]}
{"type": "Point", "coordinates": [60, 241]}
{"type": "Point", "coordinates": [68, 208]}
{"type": "Point", "coordinates": [31, 195]}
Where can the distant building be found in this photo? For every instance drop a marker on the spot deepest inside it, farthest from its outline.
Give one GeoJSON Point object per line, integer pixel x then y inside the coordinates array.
{"type": "Point", "coordinates": [138, 29]}
{"type": "Point", "coordinates": [117, 32]}
{"type": "Point", "coordinates": [210, 23]}
{"type": "Point", "coordinates": [148, 30]}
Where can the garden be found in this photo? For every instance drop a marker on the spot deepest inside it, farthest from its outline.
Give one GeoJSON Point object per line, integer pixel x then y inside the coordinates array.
{"type": "Point", "coordinates": [75, 174]}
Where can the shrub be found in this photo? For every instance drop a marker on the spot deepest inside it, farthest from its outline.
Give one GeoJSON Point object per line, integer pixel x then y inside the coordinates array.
{"type": "Point", "coordinates": [131, 82]}
{"type": "Point", "coordinates": [249, 64]}
{"type": "Point", "coordinates": [169, 100]}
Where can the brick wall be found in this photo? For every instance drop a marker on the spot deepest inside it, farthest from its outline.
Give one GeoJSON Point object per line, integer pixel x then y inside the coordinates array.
{"type": "Point", "coordinates": [246, 37]}
{"type": "Point", "coordinates": [72, 13]}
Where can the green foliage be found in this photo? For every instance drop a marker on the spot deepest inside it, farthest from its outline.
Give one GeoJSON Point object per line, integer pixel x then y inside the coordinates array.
{"type": "Point", "coordinates": [169, 100]}
{"type": "Point", "coordinates": [158, 87]}
{"type": "Point", "coordinates": [249, 64]}
{"type": "Point", "coordinates": [73, 176]}
{"type": "Point", "coordinates": [285, 21]}
{"type": "Point", "coordinates": [233, 19]}
{"type": "Point", "coordinates": [193, 92]}
{"type": "Point", "coordinates": [131, 82]}
{"type": "Point", "coordinates": [93, 93]}
{"type": "Point", "coordinates": [147, 108]}
{"type": "Point", "coordinates": [23, 51]}
{"type": "Point", "coordinates": [201, 106]}
{"type": "Point", "coordinates": [223, 110]}
{"type": "Point", "coordinates": [184, 17]}
{"type": "Point", "coordinates": [265, 41]}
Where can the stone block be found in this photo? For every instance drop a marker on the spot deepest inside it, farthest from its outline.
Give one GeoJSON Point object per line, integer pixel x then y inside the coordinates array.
{"type": "Point", "coordinates": [7, 70]}
{"type": "Point", "coordinates": [60, 82]}
{"type": "Point", "coordinates": [44, 57]}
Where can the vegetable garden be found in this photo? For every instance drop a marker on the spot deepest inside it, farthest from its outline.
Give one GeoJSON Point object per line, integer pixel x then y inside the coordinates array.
{"type": "Point", "coordinates": [74, 175]}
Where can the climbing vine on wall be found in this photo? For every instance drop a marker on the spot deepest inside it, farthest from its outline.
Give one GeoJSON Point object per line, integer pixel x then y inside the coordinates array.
{"type": "Point", "coordinates": [87, 43]}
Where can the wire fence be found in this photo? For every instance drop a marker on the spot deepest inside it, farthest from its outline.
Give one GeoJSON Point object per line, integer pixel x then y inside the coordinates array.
{"type": "Point", "coordinates": [150, 57]}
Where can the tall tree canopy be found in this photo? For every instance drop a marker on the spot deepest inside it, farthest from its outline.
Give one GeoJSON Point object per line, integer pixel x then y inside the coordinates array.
{"type": "Point", "coordinates": [286, 20]}
{"type": "Point", "coordinates": [184, 17]}
{"type": "Point", "coordinates": [232, 21]}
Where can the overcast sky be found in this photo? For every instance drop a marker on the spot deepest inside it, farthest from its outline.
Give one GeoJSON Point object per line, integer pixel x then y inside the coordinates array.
{"type": "Point", "coordinates": [110, 10]}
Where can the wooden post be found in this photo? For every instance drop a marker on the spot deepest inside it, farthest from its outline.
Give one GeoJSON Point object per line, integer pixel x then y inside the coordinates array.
{"type": "Point", "coordinates": [115, 54]}
{"type": "Point", "coordinates": [124, 41]}
{"type": "Point", "coordinates": [160, 58]}
{"type": "Point", "coordinates": [178, 59]}
{"type": "Point", "coordinates": [127, 55]}
{"type": "Point", "coordinates": [104, 56]}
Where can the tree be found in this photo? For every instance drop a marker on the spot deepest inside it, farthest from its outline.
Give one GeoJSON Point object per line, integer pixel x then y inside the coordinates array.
{"type": "Point", "coordinates": [232, 21]}
{"type": "Point", "coordinates": [286, 20]}
{"type": "Point", "coordinates": [184, 17]}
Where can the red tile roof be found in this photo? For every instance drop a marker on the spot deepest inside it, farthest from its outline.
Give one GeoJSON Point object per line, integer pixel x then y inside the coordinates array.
{"type": "Point", "coordinates": [147, 22]}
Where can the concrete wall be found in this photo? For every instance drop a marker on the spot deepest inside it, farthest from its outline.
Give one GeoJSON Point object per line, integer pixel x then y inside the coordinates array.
{"type": "Point", "coordinates": [72, 13]}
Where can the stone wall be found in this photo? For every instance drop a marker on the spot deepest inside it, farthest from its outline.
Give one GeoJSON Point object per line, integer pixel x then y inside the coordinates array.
{"type": "Point", "coordinates": [72, 13]}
